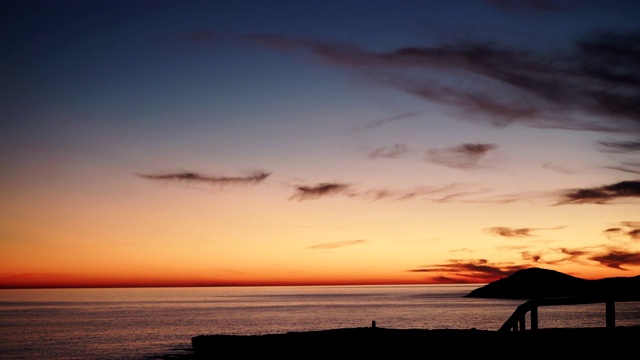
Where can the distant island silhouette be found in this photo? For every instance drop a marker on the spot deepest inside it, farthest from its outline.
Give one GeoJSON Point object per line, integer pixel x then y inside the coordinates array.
{"type": "Point", "coordinates": [538, 283]}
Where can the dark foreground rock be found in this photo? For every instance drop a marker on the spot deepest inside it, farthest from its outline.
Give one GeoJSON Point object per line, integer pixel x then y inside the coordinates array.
{"type": "Point", "coordinates": [374, 342]}
{"type": "Point", "coordinates": [410, 343]}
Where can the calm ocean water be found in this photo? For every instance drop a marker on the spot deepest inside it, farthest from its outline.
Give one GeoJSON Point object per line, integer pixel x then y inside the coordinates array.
{"type": "Point", "coordinates": [143, 323]}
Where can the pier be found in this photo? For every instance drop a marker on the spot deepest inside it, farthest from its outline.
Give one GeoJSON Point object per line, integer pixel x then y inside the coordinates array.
{"type": "Point", "coordinates": [517, 321]}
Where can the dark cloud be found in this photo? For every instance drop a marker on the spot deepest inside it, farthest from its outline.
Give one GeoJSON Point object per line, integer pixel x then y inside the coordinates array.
{"type": "Point", "coordinates": [464, 156]}
{"type": "Point", "coordinates": [469, 271]}
{"type": "Point", "coordinates": [320, 190]}
{"type": "Point", "coordinates": [602, 194]}
{"type": "Point", "coordinates": [338, 244]}
{"type": "Point", "coordinates": [617, 258]}
{"type": "Point", "coordinates": [594, 84]}
{"type": "Point", "coordinates": [394, 151]}
{"type": "Point", "coordinates": [481, 270]}
{"type": "Point", "coordinates": [461, 193]}
{"type": "Point", "coordinates": [193, 177]}
{"type": "Point", "coordinates": [516, 5]}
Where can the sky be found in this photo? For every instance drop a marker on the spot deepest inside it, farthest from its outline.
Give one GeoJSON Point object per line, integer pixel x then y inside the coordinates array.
{"type": "Point", "coordinates": [215, 143]}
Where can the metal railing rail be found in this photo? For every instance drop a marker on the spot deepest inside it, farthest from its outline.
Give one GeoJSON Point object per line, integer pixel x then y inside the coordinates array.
{"type": "Point", "coordinates": [517, 320]}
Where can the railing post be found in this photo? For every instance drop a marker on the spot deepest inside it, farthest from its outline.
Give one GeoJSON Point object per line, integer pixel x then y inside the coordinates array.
{"type": "Point", "coordinates": [611, 314]}
{"type": "Point", "coordinates": [517, 320]}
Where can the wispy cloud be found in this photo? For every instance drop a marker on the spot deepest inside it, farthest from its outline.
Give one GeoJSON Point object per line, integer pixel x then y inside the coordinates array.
{"type": "Point", "coordinates": [444, 193]}
{"type": "Point", "coordinates": [391, 152]}
{"type": "Point", "coordinates": [604, 255]}
{"type": "Point", "coordinates": [378, 123]}
{"type": "Point", "coordinates": [516, 232]}
{"type": "Point", "coordinates": [509, 232]}
{"type": "Point", "coordinates": [558, 256]}
{"type": "Point", "coordinates": [559, 168]}
{"type": "Point", "coordinates": [574, 255]}
{"type": "Point", "coordinates": [630, 229]}
{"type": "Point", "coordinates": [453, 192]}
{"type": "Point", "coordinates": [617, 258]}
{"type": "Point", "coordinates": [194, 177]}
{"type": "Point", "coordinates": [628, 167]}
{"type": "Point", "coordinates": [603, 194]}
{"type": "Point", "coordinates": [529, 256]}
{"type": "Point", "coordinates": [620, 146]}
{"type": "Point", "coordinates": [625, 153]}
{"type": "Point", "coordinates": [340, 244]}
{"type": "Point", "coordinates": [303, 192]}
{"type": "Point", "coordinates": [464, 156]}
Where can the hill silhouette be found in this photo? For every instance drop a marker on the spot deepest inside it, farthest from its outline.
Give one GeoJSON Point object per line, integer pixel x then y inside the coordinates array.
{"type": "Point", "coordinates": [538, 283]}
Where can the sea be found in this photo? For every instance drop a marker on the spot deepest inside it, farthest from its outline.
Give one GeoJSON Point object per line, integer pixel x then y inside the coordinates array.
{"type": "Point", "coordinates": [157, 323]}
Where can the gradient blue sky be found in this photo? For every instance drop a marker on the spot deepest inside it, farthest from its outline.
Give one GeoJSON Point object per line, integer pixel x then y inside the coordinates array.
{"type": "Point", "coordinates": [317, 142]}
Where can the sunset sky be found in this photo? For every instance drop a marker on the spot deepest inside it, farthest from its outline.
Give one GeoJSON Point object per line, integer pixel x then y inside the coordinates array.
{"type": "Point", "coordinates": [183, 143]}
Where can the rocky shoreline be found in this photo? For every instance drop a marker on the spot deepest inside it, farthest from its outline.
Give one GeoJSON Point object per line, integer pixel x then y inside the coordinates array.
{"type": "Point", "coordinates": [372, 341]}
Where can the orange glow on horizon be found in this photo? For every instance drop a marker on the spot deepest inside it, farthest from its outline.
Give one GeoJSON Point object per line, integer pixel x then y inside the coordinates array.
{"type": "Point", "coordinates": [27, 281]}
{"type": "Point", "coordinates": [42, 282]}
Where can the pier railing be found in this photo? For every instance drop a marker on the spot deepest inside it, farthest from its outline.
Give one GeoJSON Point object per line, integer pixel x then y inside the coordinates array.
{"type": "Point", "coordinates": [517, 320]}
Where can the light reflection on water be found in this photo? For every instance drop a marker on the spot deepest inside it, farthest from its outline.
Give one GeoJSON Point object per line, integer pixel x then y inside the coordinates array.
{"type": "Point", "coordinates": [138, 323]}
